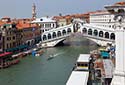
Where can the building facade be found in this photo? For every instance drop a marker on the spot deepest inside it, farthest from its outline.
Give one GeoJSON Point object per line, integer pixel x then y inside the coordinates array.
{"type": "Point", "coordinates": [45, 23]}
{"type": "Point", "coordinates": [30, 33]}
{"type": "Point", "coordinates": [1, 41]}
{"type": "Point", "coordinates": [105, 18]}
{"type": "Point", "coordinates": [102, 18]}
{"type": "Point", "coordinates": [15, 34]}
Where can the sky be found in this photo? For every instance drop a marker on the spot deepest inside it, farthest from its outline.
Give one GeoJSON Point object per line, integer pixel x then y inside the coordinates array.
{"type": "Point", "coordinates": [23, 8]}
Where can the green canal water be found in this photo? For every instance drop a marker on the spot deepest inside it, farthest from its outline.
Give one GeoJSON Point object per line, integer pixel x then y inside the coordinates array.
{"type": "Point", "coordinates": [40, 71]}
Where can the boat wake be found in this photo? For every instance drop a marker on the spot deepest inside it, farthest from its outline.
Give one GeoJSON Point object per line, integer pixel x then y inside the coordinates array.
{"type": "Point", "coordinates": [54, 55]}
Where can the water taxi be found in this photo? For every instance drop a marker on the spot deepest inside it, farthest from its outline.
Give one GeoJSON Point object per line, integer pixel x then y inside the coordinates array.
{"type": "Point", "coordinates": [82, 62]}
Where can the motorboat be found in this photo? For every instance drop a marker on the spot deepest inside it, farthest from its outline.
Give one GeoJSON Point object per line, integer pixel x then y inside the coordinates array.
{"type": "Point", "coordinates": [50, 57]}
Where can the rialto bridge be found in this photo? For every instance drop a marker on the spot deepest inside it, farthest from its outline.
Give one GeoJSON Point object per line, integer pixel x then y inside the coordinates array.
{"type": "Point", "coordinates": [100, 35]}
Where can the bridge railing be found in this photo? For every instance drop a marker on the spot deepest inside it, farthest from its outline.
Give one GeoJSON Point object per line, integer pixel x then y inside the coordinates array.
{"type": "Point", "coordinates": [57, 29]}
{"type": "Point", "coordinates": [98, 38]}
{"type": "Point", "coordinates": [56, 38]}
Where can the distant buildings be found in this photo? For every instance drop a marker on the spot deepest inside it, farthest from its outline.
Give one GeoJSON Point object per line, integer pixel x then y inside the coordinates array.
{"type": "Point", "coordinates": [106, 18]}
{"type": "Point", "coordinates": [18, 34]}
{"type": "Point", "coordinates": [46, 23]}
{"type": "Point", "coordinates": [67, 19]}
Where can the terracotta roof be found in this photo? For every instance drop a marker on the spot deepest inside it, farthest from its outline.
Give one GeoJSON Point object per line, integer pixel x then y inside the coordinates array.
{"type": "Point", "coordinates": [1, 23]}
{"type": "Point", "coordinates": [26, 25]}
{"type": "Point", "coordinates": [100, 12]}
{"type": "Point", "coordinates": [120, 3]}
{"type": "Point", "coordinates": [71, 16]}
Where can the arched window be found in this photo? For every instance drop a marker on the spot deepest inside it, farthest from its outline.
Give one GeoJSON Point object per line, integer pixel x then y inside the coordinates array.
{"type": "Point", "coordinates": [84, 30]}
{"type": "Point", "coordinates": [106, 35]}
{"type": "Point", "coordinates": [95, 32]}
{"type": "Point", "coordinates": [112, 36]}
{"type": "Point", "coordinates": [64, 32]}
{"type": "Point", "coordinates": [28, 43]}
{"type": "Point", "coordinates": [49, 36]}
{"type": "Point", "coordinates": [54, 34]}
{"type": "Point", "coordinates": [121, 11]}
{"type": "Point", "coordinates": [90, 32]}
{"type": "Point", "coordinates": [44, 37]}
{"type": "Point", "coordinates": [101, 34]}
{"type": "Point", "coordinates": [69, 30]}
{"type": "Point", "coordinates": [59, 33]}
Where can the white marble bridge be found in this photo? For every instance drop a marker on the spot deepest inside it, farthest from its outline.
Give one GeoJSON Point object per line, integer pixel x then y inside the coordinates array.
{"type": "Point", "coordinates": [100, 35]}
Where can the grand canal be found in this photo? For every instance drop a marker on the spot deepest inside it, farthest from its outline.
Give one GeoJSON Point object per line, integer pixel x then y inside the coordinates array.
{"type": "Point", "coordinates": [40, 71]}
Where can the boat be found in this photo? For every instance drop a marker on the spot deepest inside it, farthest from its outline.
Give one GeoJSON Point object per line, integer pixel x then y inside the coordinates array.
{"type": "Point", "coordinates": [50, 57]}
{"type": "Point", "coordinates": [37, 52]}
{"type": "Point", "coordinates": [82, 63]}
{"type": "Point", "coordinates": [80, 73]}
{"type": "Point", "coordinates": [7, 59]}
{"type": "Point", "coordinates": [78, 78]}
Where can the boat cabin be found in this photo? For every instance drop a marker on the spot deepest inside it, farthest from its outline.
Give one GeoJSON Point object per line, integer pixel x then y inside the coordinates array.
{"type": "Point", "coordinates": [83, 62]}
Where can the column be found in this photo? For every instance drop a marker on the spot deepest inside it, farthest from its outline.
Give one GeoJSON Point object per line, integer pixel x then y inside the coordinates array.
{"type": "Point", "coordinates": [119, 73]}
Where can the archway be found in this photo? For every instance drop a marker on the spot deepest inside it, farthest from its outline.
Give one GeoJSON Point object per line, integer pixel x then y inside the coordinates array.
{"type": "Point", "coordinates": [54, 34]}
{"type": "Point", "coordinates": [106, 35]}
{"type": "Point", "coordinates": [49, 36]}
{"type": "Point", "coordinates": [64, 32]}
{"type": "Point", "coordinates": [28, 43]}
{"type": "Point", "coordinates": [32, 42]}
{"type": "Point", "coordinates": [84, 30]}
{"type": "Point", "coordinates": [95, 32]}
{"type": "Point", "coordinates": [101, 34]}
{"type": "Point", "coordinates": [112, 36]}
{"type": "Point", "coordinates": [69, 30]}
{"type": "Point", "coordinates": [58, 33]}
{"type": "Point", "coordinates": [44, 37]}
{"type": "Point", "coordinates": [90, 32]}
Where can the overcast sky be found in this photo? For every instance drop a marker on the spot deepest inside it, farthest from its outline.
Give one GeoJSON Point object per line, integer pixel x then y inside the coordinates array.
{"type": "Point", "coordinates": [23, 8]}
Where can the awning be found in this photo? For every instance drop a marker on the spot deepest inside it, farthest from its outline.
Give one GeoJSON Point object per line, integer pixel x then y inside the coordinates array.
{"type": "Point", "coordinates": [17, 48]}
{"type": "Point", "coordinates": [22, 46]}
{"type": "Point", "coordinates": [5, 54]}
{"type": "Point", "coordinates": [105, 54]}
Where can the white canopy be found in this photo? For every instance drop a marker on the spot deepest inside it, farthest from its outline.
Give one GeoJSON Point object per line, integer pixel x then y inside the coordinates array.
{"type": "Point", "coordinates": [78, 78]}
{"type": "Point", "coordinates": [83, 58]}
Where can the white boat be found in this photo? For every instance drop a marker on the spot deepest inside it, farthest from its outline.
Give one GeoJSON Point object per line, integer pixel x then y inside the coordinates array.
{"type": "Point", "coordinates": [50, 57]}
{"type": "Point", "coordinates": [82, 62]}
{"type": "Point", "coordinates": [78, 78]}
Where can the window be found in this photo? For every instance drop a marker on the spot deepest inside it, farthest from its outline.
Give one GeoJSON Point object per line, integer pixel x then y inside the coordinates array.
{"type": "Point", "coordinates": [7, 38]}
{"type": "Point", "coordinates": [13, 37]}
{"type": "Point", "coordinates": [41, 19]}
{"type": "Point", "coordinates": [7, 45]}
